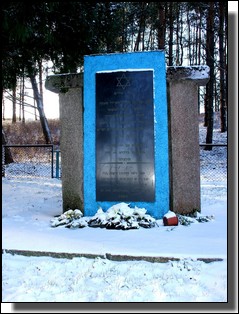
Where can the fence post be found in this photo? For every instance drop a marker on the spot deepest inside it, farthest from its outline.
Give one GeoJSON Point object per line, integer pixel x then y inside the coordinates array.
{"type": "Point", "coordinates": [57, 163]}
{"type": "Point", "coordinates": [52, 161]}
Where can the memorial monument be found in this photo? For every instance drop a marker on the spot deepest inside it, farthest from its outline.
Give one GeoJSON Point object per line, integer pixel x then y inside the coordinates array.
{"type": "Point", "coordinates": [129, 133]}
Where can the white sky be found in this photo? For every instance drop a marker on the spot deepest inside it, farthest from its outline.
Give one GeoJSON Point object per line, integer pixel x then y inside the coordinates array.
{"type": "Point", "coordinates": [51, 105]}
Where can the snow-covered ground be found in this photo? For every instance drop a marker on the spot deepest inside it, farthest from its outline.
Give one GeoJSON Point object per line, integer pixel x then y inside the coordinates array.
{"type": "Point", "coordinates": [45, 279]}
{"type": "Point", "coordinates": [30, 203]}
{"type": "Point", "coordinates": [48, 279]}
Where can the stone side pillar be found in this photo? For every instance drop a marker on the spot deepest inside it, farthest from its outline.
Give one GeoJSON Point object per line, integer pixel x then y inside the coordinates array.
{"type": "Point", "coordinates": [183, 85]}
{"type": "Point", "coordinates": [70, 90]}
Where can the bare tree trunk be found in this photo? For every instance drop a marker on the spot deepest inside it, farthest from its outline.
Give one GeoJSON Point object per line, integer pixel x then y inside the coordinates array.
{"type": "Point", "coordinates": [177, 33]}
{"type": "Point", "coordinates": [44, 123]}
{"type": "Point", "coordinates": [143, 35]}
{"type": "Point", "coordinates": [189, 39]}
{"type": "Point", "coordinates": [210, 63]}
{"type": "Point", "coordinates": [205, 107]}
{"type": "Point", "coordinates": [181, 37]}
{"type": "Point", "coordinates": [216, 98]}
{"type": "Point", "coordinates": [161, 26]}
{"type": "Point", "coordinates": [199, 38]}
{"type": "Point", "coordinates": [170, 44]}
{"type": "Point", "coordinates": [225, 60]}
{"type": "Point", "coordinates": [140, 36]}
{"type": "Point", "coordinates": [3, 106]}
{"type": "Point", "coordinates": [150, 40]}
{"type": "Point", "coordinates": [40, 79]}
{"type": "Point", "coordinates": [222, 68]}
{"type": "Point", "coordinates": [196, 43]}
{"type": "Point", "coordinates": [193, 45]}
{"type": "Point", "coordinates": [14, 103]}
{"type": "Point", "coordinates": [35, 110]}
{"type": "Point", "coordinates": [22, 100]}
{"type": "Point", "coordinates": [123, 37]}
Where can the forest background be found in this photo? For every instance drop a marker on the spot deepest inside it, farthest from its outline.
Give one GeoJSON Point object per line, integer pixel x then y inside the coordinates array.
{"type": "Point", "coordinates": [42, 37]}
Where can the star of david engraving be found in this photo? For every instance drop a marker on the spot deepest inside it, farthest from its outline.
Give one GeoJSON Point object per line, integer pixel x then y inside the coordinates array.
{"type": "Point", "coordinates": [123, 81]}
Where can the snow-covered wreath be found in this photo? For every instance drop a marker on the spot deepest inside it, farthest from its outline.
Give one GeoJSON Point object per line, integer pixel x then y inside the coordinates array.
{"type": "Point", "coordinates": [119, 216]}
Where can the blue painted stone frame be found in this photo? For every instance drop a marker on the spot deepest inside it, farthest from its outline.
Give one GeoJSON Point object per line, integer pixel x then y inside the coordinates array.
{"type": "Point", "coordinates": [152, 60]}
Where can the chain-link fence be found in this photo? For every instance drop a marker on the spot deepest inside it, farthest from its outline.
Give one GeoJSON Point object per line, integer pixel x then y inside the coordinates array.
{"type": "Point", "coordinates": [43, 161]}
{"type": "Point", "coordinates": [213, 162]}
{"type": "Point", "coordinates": [27, 161]}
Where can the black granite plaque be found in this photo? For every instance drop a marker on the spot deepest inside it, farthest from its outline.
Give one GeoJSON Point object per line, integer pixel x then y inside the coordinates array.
{"type": "Point", "coordinates": [125, 136]}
